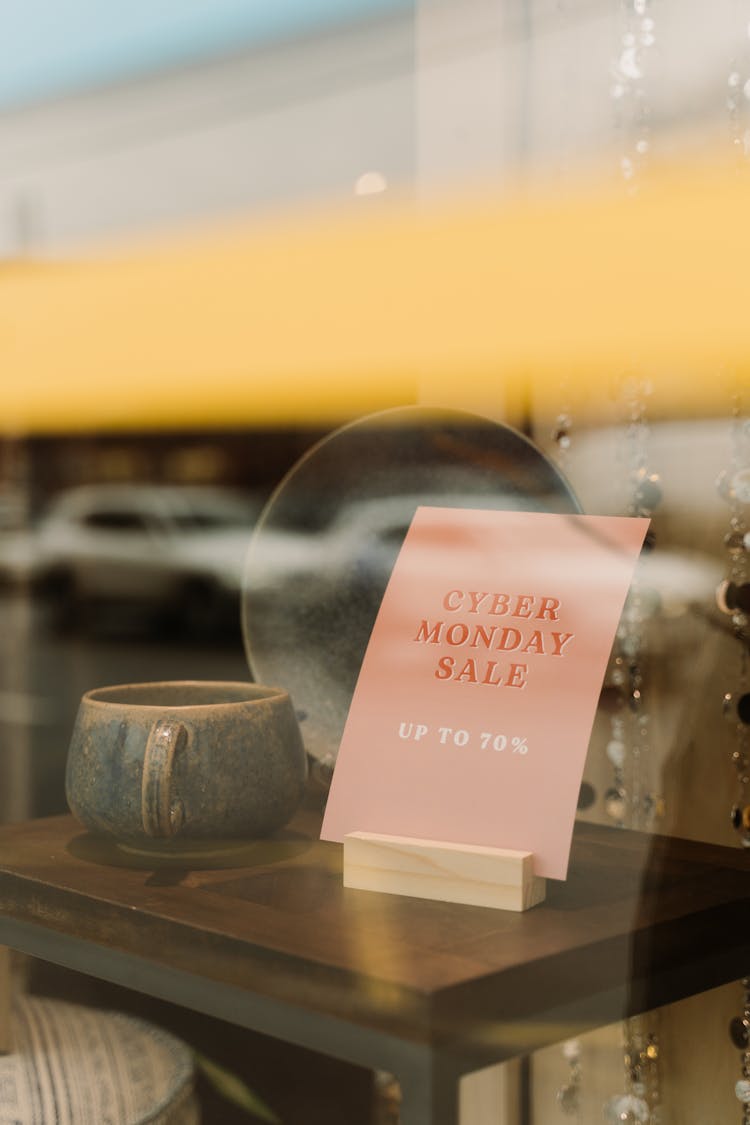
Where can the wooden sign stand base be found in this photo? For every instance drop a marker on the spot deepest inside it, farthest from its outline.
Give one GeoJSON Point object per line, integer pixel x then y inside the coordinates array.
{"type": "Point", "coordinates": [467, 873]}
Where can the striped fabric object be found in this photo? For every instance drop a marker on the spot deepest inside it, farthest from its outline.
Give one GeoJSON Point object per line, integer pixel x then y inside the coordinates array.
{"type": "Point", "coordinates": [79, 1066]}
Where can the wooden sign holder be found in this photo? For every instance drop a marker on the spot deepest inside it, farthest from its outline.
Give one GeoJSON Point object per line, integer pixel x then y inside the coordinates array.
{"type": "Point", "coordinates": [467, 873]}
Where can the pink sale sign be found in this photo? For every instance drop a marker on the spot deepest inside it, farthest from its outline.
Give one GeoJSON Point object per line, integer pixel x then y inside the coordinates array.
{"type": "Point", "coordinates": [476, 697]}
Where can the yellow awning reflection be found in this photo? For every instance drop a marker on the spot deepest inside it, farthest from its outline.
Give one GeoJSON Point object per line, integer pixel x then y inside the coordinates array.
{"type": "Point", "coordinates": [320, 316]}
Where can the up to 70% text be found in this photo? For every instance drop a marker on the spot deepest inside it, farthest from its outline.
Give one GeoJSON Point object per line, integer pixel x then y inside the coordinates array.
{"type": "Point", "coordinates": [458, 736]}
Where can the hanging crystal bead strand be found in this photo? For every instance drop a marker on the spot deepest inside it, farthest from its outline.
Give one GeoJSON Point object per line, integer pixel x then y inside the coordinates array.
{"type": "Point", "coordinates": [569, 1095]}
{"type": "Point", "coordinates": [738, 90]}
{"type": "Point", "coordinates": [639, 1104]}
{"type": "Point", "coordinates": [632, 111]}
{"type": "Point", "coordinates": [627, 802]}
{"type": "Point", "coordinates": [646, 494]}
{"type": "Point", "coordinates": [563, 424]}
{"type": "Point", "coordinates": [615, 798]}
{"type": "Point", "coordinates": [733, 594]}
{"type": "Point", "coordinates": [739, 1031]}
{"type": "Point", "coordinates": [737, 708]}
{"type": "Point", "coordinates": [631, 801]}
{"type": "Point", "coordinates": [733, 599]}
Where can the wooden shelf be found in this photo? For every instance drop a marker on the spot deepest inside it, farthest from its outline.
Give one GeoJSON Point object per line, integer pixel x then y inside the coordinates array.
{"type": "Point", "coordinates": [640, 922]}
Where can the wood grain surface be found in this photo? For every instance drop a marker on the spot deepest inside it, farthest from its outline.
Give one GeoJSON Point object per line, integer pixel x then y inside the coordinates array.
{"type": "Point", "coordinates": [640, 922]}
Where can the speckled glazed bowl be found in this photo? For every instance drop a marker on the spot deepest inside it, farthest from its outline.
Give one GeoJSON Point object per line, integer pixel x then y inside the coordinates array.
{"type": "Point", "coordinates": [167, 767]}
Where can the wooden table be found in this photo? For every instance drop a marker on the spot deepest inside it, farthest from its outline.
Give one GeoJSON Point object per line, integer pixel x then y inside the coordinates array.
{"type": "Point", "coordinates": [427, 990]}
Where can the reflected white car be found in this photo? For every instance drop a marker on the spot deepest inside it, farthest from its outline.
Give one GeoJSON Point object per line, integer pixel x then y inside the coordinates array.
{"type": "Point", "coordinates": [173, 549]}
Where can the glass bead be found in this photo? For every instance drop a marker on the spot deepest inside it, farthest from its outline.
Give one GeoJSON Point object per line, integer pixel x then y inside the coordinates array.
{"type": "Point", "coordinates": [641, 6]}
{"type": "Point", "coordinates": [571, 1050]}
{"type": "Point", "coordinates": [628, 63]}
{"type": "Point", "coordinates": [615, 804]}
{"type": "Point", "coordinates": [618, 677]}
{"type": "Point", "coordinates": [743, 708]}
{"type": "Point", "coordinates": [611, 699]}
{"type": "Point", "coordinates": [616, 752]}
{"type": "Point", "coordinates": [632, 612]}
{"type": "Point", "coordinates": [734, 79]}
{"type": "Point", "coordinates": [610, 1113]}
{"type": "Point", "coordinates": [648, 491]}
{"type": "Point", "coordinates": [723, 486]}
{"type": "Point", "coordinates": [650, 602]}
{"type": "Point", "coordinates": [630, 1108]}
{"type": "Point", "coordinates": [626, 167]}
{"type": "Point", "coordinates": [567, 1099]}
{"type": "Point", "coordinates": [647, 39]}
{"type": "Point", "coordinates": [647, 24]}
{"type": "Point", "coordinates": [734, 541]}
{"type": "Point", "coordinates": [370, 183]}
{"type": "Point", "coordinates": [739, 1033]}
{"type": "Point", "coordinates": [725, 595]}
{"type": "Point", "coordinates": [742, 1090]}
{"type": "Point", "coordinates": [740, 486]}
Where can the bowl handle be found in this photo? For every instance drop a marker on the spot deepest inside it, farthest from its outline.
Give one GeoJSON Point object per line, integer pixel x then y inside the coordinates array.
{"type": "Point", "coordinates": [161, 815]}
